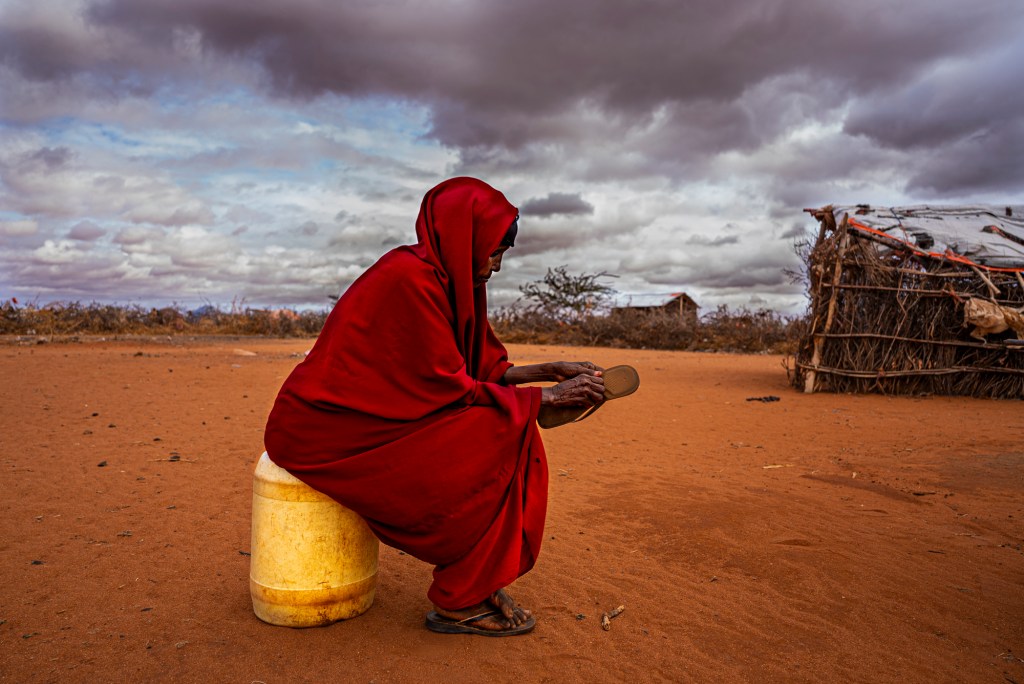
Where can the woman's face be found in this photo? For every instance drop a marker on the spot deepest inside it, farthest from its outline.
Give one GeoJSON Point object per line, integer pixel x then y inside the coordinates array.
{"type": "Point", "coordinates": [492, 265]}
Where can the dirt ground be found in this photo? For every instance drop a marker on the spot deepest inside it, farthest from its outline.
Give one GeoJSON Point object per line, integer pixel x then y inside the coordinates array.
{"type": "Point", "coordinates": [817, 538]}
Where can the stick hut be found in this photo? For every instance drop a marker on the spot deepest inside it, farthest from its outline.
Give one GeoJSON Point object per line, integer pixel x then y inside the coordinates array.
{"type": "Point", "coordinates": [915, 301]}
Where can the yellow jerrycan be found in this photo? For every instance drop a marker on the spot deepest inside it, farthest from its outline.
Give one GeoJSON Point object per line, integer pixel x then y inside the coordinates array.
{"type": "Point", "coordinates": [313, 561]}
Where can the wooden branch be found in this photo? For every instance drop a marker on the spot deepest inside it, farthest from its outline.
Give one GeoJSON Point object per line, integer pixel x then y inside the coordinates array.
{"type": "Point", "coordinates": [606, 618]}
{"type": "Point", "coordinates": [911, 290]}
{"type": "Point", "coordinates": [993, 290]}
{"type": "Point", "coordinates": [881, 375]}
{"type": "Point", "coordinates": [940, 343]}
{"type": "Point", "coordinates": [882, 266]}
{"type": "Point", "coordinates": [819, 342]}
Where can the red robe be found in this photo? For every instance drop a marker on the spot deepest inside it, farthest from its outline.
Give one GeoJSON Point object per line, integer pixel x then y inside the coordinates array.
{"type": "Point", "coordinates": [400, 414]}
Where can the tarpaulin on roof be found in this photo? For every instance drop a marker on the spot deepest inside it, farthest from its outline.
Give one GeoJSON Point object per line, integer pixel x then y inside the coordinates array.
{"type": "Point", "coordinates": [978, 235]}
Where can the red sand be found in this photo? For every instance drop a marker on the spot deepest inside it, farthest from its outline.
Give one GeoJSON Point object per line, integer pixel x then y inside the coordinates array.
{"type": "Point", "coordinates": [817, 538]}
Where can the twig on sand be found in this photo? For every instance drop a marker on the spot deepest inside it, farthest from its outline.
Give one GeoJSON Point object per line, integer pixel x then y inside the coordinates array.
{"type": "Point", "coordinates": [606, 618]}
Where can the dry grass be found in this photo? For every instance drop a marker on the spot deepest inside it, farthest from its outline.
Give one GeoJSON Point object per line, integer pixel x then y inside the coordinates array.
{"type": "Point", "coordinates": [720, 331]}
{"type": "Point", "coordinates": [74, 318]}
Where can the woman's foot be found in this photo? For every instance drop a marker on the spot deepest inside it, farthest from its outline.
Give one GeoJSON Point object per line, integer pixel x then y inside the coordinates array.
{"type": "Point", "coordinates": [515, 614]}
{"type": "Point", "coordinates": [494, 623]}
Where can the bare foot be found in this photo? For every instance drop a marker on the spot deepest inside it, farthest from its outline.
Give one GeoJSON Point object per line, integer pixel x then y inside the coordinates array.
{"type": "Point", "coordinates": [515, 614]}
{"type": "Point", "coordinates": [494, 623]}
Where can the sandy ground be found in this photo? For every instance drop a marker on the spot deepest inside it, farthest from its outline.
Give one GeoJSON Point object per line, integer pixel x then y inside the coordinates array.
{"type": "Point", "coordinates": [818, 538]}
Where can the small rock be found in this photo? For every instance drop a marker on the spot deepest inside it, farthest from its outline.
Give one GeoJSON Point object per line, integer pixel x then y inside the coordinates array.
{"type": "Point", "coordinates": [180, 644]}
{"type": "Point", "coordinates": [244, 553]}
{"type": "Point", "coordinates": [125, 533]}
{"type": "Point", "coordinates": [38, 562]}
{"type": "Point", "coordinates": [101, 464]}
{"type": "Point", "coordinates": [581, 616]}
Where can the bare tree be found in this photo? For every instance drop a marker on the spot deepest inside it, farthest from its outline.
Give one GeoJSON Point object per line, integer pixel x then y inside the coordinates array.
{"type": "Point", "coordinates": [566, 297]}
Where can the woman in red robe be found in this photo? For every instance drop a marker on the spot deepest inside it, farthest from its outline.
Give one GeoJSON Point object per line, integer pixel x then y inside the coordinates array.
{"type": "Point", "coordinates": [406, 411]}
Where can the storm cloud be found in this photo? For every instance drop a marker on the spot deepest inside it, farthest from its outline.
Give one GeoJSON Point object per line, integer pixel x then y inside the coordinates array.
{"type": "Point", "coordinates": [268, 150]}
{"type": "Point", "coordinates": [556, 204]}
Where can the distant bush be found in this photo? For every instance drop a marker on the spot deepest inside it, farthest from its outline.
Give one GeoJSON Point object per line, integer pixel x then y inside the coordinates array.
{"type": "Point", "coordinates": [75, 318]}
{"type": "Point", "coordinates": [742, 331]}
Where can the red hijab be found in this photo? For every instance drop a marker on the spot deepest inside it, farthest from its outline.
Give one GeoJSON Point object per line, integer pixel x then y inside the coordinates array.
{"type": "Point", "coordinates": [411, 335]}
{"type": "Point", "coordinates": [461, 223]}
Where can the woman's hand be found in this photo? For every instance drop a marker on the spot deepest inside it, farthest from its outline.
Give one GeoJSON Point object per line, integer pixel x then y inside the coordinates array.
{"type": "Point", "coordinates": [582, 390]}
{"type": "Point", "coordinates": [555, 371]}
{"type": "Point", "coordinates": [565, 370]}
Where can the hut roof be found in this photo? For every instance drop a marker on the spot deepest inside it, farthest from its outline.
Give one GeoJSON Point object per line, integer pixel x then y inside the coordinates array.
{"type": "Point", "coordinates": [986, 236]}
{"type": "Point", "coordinates": [621, 300]}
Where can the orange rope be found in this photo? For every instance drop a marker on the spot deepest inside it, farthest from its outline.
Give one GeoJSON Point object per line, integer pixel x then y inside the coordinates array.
{"type": "Point", "coordinates": [948, 255]}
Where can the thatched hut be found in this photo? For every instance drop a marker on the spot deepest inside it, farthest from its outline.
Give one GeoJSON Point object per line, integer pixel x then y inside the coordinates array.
{"type": "Point", "coordinates": [918, 300]}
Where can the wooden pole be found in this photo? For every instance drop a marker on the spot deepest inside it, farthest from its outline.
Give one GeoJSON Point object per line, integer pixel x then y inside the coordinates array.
{"type": "Point", "coordinates": [842, 238]}
{"type": "Point", "coordinates": [993, 290]}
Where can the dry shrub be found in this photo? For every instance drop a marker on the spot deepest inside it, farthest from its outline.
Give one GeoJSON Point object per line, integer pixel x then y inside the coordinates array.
{"type": "Point", "coordinates": [722, 331]}
{"type": "Point", "coordinates": [74, 318]}
{"type": "Point", "coordinates": [750, 331]}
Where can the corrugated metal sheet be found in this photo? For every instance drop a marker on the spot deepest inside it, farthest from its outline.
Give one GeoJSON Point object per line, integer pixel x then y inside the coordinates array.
{"type": "Point", "coordinates": [980, 235]}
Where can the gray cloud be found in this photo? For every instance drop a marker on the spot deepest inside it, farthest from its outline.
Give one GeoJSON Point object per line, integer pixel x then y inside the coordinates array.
{"type": "Point", "coordinates": [679, 71]}
{"type": "Point", "coordinates": [795, 231]}
{"type": "Point", "coordinates": [229, 128]}
{"type": "Point", "coordinates": [308, 229]}
{"type": "Point", "coordinates": [706, 241]}
{"type": "Point", "coordinates": [18, 228]}
{"type": "Point", "coordinates": [52, 158]}
{"type": "Point", "coordinates": [86, 231]}
{"type": "Point", "coordinates": [555, 204]}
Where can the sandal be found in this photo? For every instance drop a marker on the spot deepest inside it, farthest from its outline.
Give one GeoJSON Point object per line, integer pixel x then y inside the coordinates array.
{"type": "Point", "coordinates": [443, 625]}
{"type": "Point", "coordinates": [619, 381]}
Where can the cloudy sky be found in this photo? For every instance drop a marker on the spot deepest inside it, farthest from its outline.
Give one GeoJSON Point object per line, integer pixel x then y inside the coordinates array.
{"type": "Point", "coordinates": [204, 151]}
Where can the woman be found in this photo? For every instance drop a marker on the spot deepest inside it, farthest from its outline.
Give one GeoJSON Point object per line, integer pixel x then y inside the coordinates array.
{"type": "Point", "coordinates": [406, 411]}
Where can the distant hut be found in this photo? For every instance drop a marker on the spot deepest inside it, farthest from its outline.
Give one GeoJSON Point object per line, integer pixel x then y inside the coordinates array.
{"type": "Point", "coordinates": [676, 303]}
{"type": "Point", "coordinates": [917, 300]}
